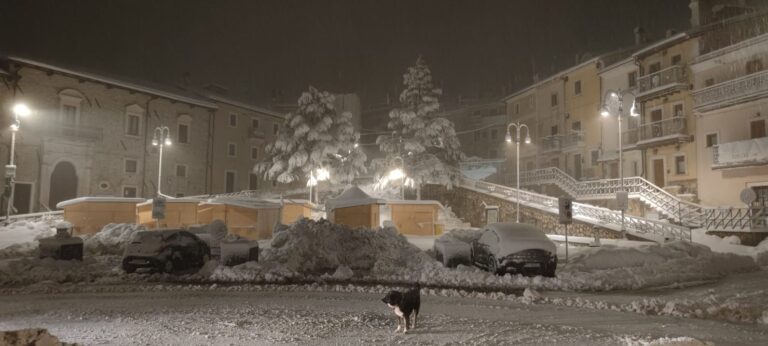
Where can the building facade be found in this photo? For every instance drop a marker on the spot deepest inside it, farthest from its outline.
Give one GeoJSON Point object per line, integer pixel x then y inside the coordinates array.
{"type": "Point", "coordinates": [91, 135]}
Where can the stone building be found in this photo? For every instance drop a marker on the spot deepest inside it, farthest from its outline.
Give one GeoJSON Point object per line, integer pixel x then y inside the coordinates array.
{"type": "Point", "coordinates": [90, 135]}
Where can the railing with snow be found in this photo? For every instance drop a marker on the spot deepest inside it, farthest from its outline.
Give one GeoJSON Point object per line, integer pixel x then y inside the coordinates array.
{"type": "Point", "coordinates": [672, 76]}
{"type": "Point", "coordinates": [731, 92]}
{"type": "Point", "coordinates": [587, 213]}
{"type": "Point", "coordinates": [687, 213]}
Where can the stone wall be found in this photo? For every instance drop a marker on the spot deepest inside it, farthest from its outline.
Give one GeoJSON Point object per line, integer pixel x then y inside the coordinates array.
{"type": "Point", "coordinates": [468, 205]}
{"type": "Point", "coordinates": [747, 238]}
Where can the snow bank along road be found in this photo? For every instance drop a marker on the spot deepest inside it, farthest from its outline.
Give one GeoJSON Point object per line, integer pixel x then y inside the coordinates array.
{"type": "Point", "coordinates": [225, 317]}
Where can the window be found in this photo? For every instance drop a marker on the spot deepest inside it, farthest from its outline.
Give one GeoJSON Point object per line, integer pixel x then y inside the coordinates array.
{"type": "Point", "coordinates": [254, 123]}
{"type": "Point", "coordinates": [711, 140]}
{"type": "Point", "coordinates": [680, 165]}
{"type": "Point", "coordinates": [553, 130]}
{"type": "Point", "coordinates": [529, 166]}
{"type": "Point", "coordinates": [577, 87]}
{"type": "Point", "coordinates": [275, 129]}
{"type": "Point", "coordinates": [635, 168]}
{"type": "Point", "coordinates": [709, 82]}
{"type": "Point", "coordinates": [494, 134]}
{"type": "Point", "coordinates": [595, 156]}
{"type": "Point", "coordinates": [181, 171]}
{"type": "Point", "coordinates": [133, 115]}
{"type": "Point", "coordinates": [757, 129]}
{"type": "Point", "coordinates": [253, 182]}
{"type": "Point", "coordinates": [632, 79]}
{"type": "Point", "coordinates": [229, 182]}
{"type": "Point", "coordinates": [677, 110]}
{"type": "Point", "coordinates": [131, 166]}
{"type": "Point", "coordinates": [655, 67]}
{"type": "Point", "coordinates": [754, 66]}
{"type": "Point", "coordinates": [231, 149]}
{"type": "Point", "coordinates": [553, 100]}
{"type": "Point", "coordinates": [517, 108]}
{"type": "Point", "coordinates": [183, 134]}
{"type": "Point", "coordinates": [254, 153]}
{"type": "Point", "coordinates": [232, 120]}
{"type": "Point", "coordinates": [676, 59]}
{"type": "Point", "coordinates": [494, 153]}
{"type": "Point", "coordinates": [69, 115]}
{"type": "Point", "coordinates": [129, 191]}
{"type": "Point", "coordinates": [576, 126]}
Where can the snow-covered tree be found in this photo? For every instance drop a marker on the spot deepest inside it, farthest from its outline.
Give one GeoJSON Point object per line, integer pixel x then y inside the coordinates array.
{"type": "Point", "coordinates": [425, 141]}
{"type": "Point", "coordinates": [314, 136]}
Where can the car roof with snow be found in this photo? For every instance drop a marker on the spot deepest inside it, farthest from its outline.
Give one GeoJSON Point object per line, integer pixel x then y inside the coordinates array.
{"type": "Point", "coordinates": [507, 231]}
{"type": "Point", "coordinates": [160, 233]}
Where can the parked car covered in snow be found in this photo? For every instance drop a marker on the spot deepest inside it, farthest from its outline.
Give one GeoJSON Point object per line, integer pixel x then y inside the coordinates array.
{"type": "Point", "coordinates": [166, 250]}
{"type": "Point", "coordinates": [514, 248]}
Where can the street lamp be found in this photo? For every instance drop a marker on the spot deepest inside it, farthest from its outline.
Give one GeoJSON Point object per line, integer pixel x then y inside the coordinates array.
{"type": "Point", "coordinates": [19, 110]}
{"type": "Point", "coordinates": [398, 173]}
{"type": "Point", "coordinates": [518, 127]}
{"type": "Point", "coordinates": [314, 177]}
{"type": "Point", "coordinates": [162, 138]}
{"type": "Point", "coordinates": [615, 100]}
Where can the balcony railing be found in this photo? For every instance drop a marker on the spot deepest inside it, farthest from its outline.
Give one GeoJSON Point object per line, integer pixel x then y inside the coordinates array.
{"type": "Point", "coordinates": [72, 132]}
{"type": "Point", "coordinates": [256, 133]}
{"type": "Point", "coordinates": [551, 143]}
{"type": "Point", "coordinates": [740, 153]}
{"type": "Point", "coordinates": [671, 128]}
{"type": "Point", "coordinates": [630, 137]}
{"type": "Point", "coordinates": [669, 78]}
{"type": "Point", "coordinates": [731, 92]}
{"type": "Point", "coordinates": [573, 138]}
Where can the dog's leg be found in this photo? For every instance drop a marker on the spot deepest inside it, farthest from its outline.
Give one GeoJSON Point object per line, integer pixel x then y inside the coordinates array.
{"type": "Point", "coordinates": [407, 319]}
{"type": "Point", "coordinates": [415, 316]}
{"type": "Point", "coordinates": [398, 324]}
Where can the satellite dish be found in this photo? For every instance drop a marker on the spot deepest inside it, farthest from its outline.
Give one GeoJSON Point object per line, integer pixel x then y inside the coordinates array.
{"type": "Point", "coordinates": [748, 195]}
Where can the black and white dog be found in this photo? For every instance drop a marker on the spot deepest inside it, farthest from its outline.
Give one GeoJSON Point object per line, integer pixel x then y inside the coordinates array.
{"type": "Point", "coordinates": [406, 307]}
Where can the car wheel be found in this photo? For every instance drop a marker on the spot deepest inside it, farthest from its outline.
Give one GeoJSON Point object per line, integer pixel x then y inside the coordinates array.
{"type": "Point", "coordinates": [548, 270]}
{"type": "Point", "coordinates": [493, 266]}
{"type": "Point", "coordinates": [168, 265]}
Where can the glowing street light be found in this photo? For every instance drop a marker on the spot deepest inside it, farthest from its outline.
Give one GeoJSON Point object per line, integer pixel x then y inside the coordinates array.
{"type": "Point", "coordinates": [162, 138]}
{"type": "Point", "coordinates": [19, 110]}
{"type": "Point", "coordinates": [615, 99]}
{"type": "Point", "coordinates": [321, 174]}
{"type": "Point", "coordinates": [518, 127]}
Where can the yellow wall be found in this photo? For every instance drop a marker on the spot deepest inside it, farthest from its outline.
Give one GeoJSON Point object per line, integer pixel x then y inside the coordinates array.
{"type": "Point", "coordinates": [415, 219]}
{"type": "Point", "coordinates": [249, 223]}
{"type": "Point", "coordinates": [357, 216]}
{"type": "Point", "coordinates": [91, 217]}
{"type": "Point", "coordinates": [294, 212]}
{"type": "Point", "coordinates": [177, 215]}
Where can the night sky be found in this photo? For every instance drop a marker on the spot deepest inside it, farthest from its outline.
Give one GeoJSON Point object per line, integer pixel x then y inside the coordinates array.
{"type": "Point", "coordinates": [475, 48]}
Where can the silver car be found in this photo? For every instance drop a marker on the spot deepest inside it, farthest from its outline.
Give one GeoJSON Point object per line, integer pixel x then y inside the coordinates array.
{"type": "Point", "coordinates": [514, 248]}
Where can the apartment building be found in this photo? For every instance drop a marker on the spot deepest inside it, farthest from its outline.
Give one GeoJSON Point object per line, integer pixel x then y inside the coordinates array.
{"type": "Point", "coordinates": [730, 100]}
{"type": "Point", "coordinates": [91, 135]}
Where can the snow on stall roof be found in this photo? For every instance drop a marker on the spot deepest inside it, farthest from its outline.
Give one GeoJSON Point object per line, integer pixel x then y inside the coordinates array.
{"type": "Point", "coordinates": [174, 200]}
{"type": "Point", "coordinates": [413, 201]}
{"type": "Point", "coordinates": [99, 199]}
{"type": "Point", "coordinates": [243, 202]}
{"type": "Point", "coordinates": [352, 196]}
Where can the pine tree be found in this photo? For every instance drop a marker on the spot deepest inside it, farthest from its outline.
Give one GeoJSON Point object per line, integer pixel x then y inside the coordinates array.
{"type": "Point", "coordinates": [314, 136]}
{"type": "Point", "coordinates": [425, 141]}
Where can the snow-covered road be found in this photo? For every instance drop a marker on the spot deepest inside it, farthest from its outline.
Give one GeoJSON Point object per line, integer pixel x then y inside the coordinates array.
{"type": "Point", "coordinates": [226, 317]}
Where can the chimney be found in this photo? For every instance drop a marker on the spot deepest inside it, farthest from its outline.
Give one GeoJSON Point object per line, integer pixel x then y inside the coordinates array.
{"type": "Point", "coordinates": [639, 35]}
{"type": "Point", "coordinates": [695, 13]}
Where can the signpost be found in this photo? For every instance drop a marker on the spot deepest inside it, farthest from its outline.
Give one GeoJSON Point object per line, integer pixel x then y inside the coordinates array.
{"type": "Point", "coordinates": [566, 218]}
{"type": "Point", "coordinates": [158, 209]}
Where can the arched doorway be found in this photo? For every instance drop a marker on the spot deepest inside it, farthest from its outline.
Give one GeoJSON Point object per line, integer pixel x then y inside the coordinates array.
{"type": "Point", "coordinates": [63, 183]}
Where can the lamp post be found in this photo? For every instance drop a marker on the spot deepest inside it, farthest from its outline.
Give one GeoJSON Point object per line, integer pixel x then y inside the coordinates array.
{"type": "Point", "coordinates": [314, 177]}
{"type": "Point", "coordinates": [399, 173]}
{"type": "Point", "coordinates": [19, 110]}
{"type": "Point", "coordinates": [518, 127]}
{"type": "Point", "coordinates": [615, 100]}
{"type": "Point", "coordinates": [161, 137]}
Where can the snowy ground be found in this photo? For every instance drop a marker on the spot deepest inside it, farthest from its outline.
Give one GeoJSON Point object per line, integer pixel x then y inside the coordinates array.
{"type": "Point", "coordinates": [238, 315]}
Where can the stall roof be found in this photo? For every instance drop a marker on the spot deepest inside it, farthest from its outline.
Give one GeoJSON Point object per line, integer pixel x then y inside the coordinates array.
{"type": "Point", "coordinates": [174, 200]}
{"type": "Point", "coordinates": [242, 202]}
{"type": "Point", "coordinates": [351, 197]}
{"type": "Point", "coordinates": [98, 199]}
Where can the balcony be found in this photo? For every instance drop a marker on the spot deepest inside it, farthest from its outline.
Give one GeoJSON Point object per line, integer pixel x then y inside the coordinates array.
{"type": "Point", "coordinates": [573, 139]}
{"type": "Point", "coordinates": [630, 137]}
{"type": "Point", "coordinates": [256, 133]}
{"type": "Point", "coordinates": [551, 143]}
{"type": "Point", "coordinates": [663, 82]}
{"type": "Point", "coordinates": [74, 133]}
{"type": "Point", "coordinates": [666, 131]}
{"type": "Point", "coordinates": [732, 92]}
{"type": "Point", "coordinates": [750, 152]}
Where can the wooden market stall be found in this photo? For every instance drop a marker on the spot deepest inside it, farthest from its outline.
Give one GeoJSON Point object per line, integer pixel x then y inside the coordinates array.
{"type": "Point", "coordinates": [89, 215]}
{"type": "Point", "coordinates": [294, 209]}
{"type": "Point", "coordinates": [416, 217]}
{"type": "Point", "coordinates": [179, 213]}
{"type": "Point", "coordinates": [354, 208]}
{"type": "Point", "coordinates": [251, 219]}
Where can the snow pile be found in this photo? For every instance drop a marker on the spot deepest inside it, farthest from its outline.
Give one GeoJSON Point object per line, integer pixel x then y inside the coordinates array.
{"type": "Point", "coordinates": [674, 341]}
{"type": "Point", "coordinates": [449, 220]}
{"type": "Point", "coordinates": [47, 270]}
{"type": "Point", "coordinates": [111, 239]}
{"type": "Point", "coordinates": [20, 238]}
{"type": "Point", "coordinates": [319, 246]}
{"type": "Point", "coordinates": [652, 265]}
{"type": "Point", "coordinates": [256, 272]}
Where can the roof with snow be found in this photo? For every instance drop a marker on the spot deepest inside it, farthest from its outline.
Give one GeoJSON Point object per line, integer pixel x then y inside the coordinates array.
{"type": "Point", "coordinates": [244, 105]}
{"type": "Point", "coordinates": [78, 200]}
{"type": "Point", "coordinates": [122, 82]}
{"type": "Point", "coordinates": [174, 200]}
{"type": "Point", "coordinates": [243, 202]}
{"type": "Point", "coordinates": [351, 197]}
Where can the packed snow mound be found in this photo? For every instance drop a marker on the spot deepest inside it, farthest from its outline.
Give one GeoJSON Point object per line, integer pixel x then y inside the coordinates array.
{"type": "Point", "coordinates": [20, 238]}
{"type": "Point", "coordinates": [111, 239]}
{"type": "Point", "coordinates": [462, 235]}
{"type": "Point", "coordinates": [319, 247]}
{"type": "Point", "coordinates": [27, 271]}
{"type": "Point", "coordinates": [251, 272]}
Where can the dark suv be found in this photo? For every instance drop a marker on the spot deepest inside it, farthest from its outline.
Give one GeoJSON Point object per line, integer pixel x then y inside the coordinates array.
{"type": "Point", "coordinates": [166, 251]}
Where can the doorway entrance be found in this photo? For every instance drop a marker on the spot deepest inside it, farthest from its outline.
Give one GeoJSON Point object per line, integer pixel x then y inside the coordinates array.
{"type": "Point", "coordinates": [22, 198]}
{"type": "Point", "coordinates": [63, 183]}
{"type": "Point", "coordinates": [658, 173]}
